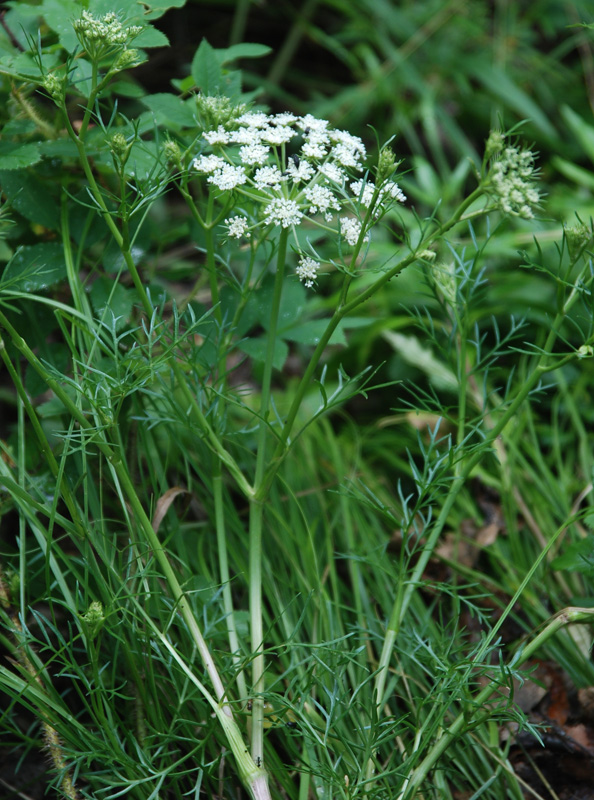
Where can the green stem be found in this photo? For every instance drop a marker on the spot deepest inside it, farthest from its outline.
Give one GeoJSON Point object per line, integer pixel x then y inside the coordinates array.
{"type": "Point", "coordinates": [256, 516]}
{"type": "Point", "coordinates": [121, 242]}
{"type": "Point", "coordinates": [462, 384]}
{"type": "Point", "coordinates": [217, 490]}
{"type": "Point", "coordinates": [562, 618]}
{"type": "Point", "coordinates": [237, 34]}
{"type": "Point", "coordinates": [44, 445]}
{"type": "Point", "coordinates": [343, 309]}
{"type": "Point", "coordinates": [401, 603]}
{"type": "Point", "coordinates": [80, 299]}
{"type": "Point", "coordinates": [211, 437]}
{"type": "Point", "coordinates": [139, 514]}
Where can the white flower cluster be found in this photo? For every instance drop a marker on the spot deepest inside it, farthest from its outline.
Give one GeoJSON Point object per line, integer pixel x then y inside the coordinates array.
{"type": "Point", "coordinates": [295, 168]}
{"type": "Point", "coordinates": [237, 227]}
{"type": "Point", "coordinates": [512, 177]}
{"type": "Point", "coordinates": [102, 35]}
{"type": "Point", "coordinates": [307, 271]}
{"type": "Point", "coordinates": [365, 191]}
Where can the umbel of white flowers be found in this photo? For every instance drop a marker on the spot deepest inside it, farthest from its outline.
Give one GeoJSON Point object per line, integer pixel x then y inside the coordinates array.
{"type": "Point", "coordinates": [294, 168]}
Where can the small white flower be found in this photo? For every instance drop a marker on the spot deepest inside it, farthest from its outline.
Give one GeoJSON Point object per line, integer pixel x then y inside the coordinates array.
{"type": "Point", "coordinates": [332, 172]}
{"type": "Point", "coordinates": [307, 271]}
{"type": "Point", "coordinates": [321, 201]}
{"type": "Point", "coordinates": [208, 163]}
{"type": "Point", "coordinates": [220, 136]}
{"type": "Point", "coordinates": [228, 177]}
{"type": "Point", "coordinates": [254, 119]}
{"type": "Point", "coordinates": [310, 123]}
{"type": "Point", "coordinates": [394, 191]}
{"type": "Point", "coordinates": [283, 119]}
{"type": "Point", "coordinates": [349, 141]}
{"type": "Point", "coordinates": [351, 230]}
{"type": "Point", "coordinates": [283, 212]}
{"type": "Point", "coordinates": [237, 227]}
{"type": "Point", "coordinates": [247, 136]}
{"type": "Point", "coordinates": [267, 177]}
{"type": "Point", "coordinates": [301, 171]}
{"type": "Point", "coordinates": [346, 156]}
{"type": "Point", "coordinates": [254, 153]}
{"type": "Point", "coordinates": [314, 147]}
{"type": "Point", "coordinates": [280, 134]}
{"type": "Point", "coordinates": [363, 191]}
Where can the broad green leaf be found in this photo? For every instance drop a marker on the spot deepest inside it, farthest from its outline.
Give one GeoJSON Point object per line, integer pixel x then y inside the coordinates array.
{"type": "Point", "coordinates": [81, 75]}
{"type": "Point", "coordinates": [58, 148]}
{"type": "Point", "coordinates": [206, 70]}
{"type": "Point", "coordinates": [184, 85]}
{"type": "Point", "coordinates": [18, 156]}
{"type": "Point", "coordinates": [151, 37]}
{"type": "Point", "coordinates": [18, 127]}
{"type": "Point", "coordinates": [60, 358]}
{"type": "Point", "coordinates": [28, 195]}
{"type": "Point", "coordinates": [112, 301]}
{"type": "Point", "coordinates": [34, 267]}
{"type": "Point", "coordinates": [311, 333]}
{"type": "Point", "coordinates": [256, 349]}
{"type": "Point", "coordinates": [145, 161]}
{"type": "Point", "coordinates": [21, 65]}
{"type": "Point", "coordinates": [156, 9]}
{"type": "Point", "coordinates": [578, 557]}
{"type": "Point", "coordinates": [126, 89]}
{"type": "Point", "coordinates": [170, 109]}
{"type": "Point", "coordinates": [59, 16]}
{"type": "Point", "coordinates": [292, 304]}
{"type": "Point", "coordinates": [243, 50]}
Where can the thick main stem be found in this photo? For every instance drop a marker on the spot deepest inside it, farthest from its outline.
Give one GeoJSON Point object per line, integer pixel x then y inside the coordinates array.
{"type": "Point", "coordinates": [256, 517]}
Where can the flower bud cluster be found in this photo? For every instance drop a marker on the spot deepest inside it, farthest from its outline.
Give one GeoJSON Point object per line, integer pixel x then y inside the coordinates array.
{"type": "Point", "coordinates": [511, 180]}
{"type": "Point", "coordinates": [106, 35]}
{"type": "Point", "coordinates": [295, 169]}
{"type": "Point", "coordinates": [577, 237]}
{"type": "Point", "coordinates": [215, 110]}
{"type": "Point", "coordinates": [54, 86]}
{"type": "Point", "coordinates": [94, 618]}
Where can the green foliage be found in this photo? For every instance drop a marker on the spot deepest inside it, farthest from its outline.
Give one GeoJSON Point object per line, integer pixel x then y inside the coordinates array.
{"type": "Point", "coordinates": [249, 411]}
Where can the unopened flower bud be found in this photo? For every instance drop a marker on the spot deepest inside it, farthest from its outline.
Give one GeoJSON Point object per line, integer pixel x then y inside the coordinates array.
{"type": "Point", "coordinates": [119, 145]}
{"type": "Point", "coordinates": [217, 110]}
{"type": "Point", "coordinates": [428, 255]}
{"type": "Point", "coordinates": [172, 153]}
{"type": "Point", "coordinates": [94, 618]}
{"type": "Point", "coordinates": [386, 165]}
{"type": "Point", "coordinates": [54, 86]}
{"type": "Point", "coordinates": [126, 59]}
{"type": "Point", "coordinates": [577, 237]}
{"type": "Point", "coordinates": [495, 144]}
